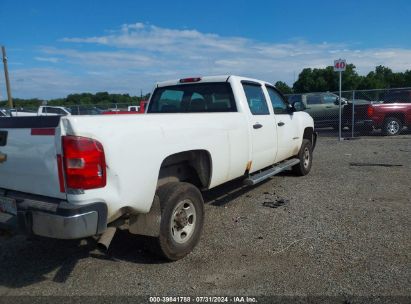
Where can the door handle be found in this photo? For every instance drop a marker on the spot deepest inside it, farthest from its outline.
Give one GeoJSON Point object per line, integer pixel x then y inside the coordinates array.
{"type": "Point", "coordinates": [328, 107]}
{"type": "Point", "coordinates": [257, 126]}
{"type": "Point", "coordinates": [308, 108]}
{"type": "Point", "coordinates": [280, 124]}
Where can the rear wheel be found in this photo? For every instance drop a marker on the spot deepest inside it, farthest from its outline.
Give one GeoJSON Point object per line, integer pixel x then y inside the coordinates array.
{"type": "Point", "coordinates": [306, 157]}
{"type": "Point", "coordinates": [392, 126]}
{"type": "Point", "coordinates": [182, 217]}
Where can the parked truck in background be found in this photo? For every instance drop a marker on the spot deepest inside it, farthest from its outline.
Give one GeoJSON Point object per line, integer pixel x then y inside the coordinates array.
{"type": "Point", "coordinates": [390, 116]}
{"type": "Point", "coordinates": [71, 177]}
{"type": "Point", "coordinates": [323, 107]}
{"type": "Point", "coordinates": [130, 109]}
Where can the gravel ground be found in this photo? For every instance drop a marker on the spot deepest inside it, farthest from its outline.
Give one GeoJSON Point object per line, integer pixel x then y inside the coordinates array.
{"type": "Point", "coordinates": [343, 230]}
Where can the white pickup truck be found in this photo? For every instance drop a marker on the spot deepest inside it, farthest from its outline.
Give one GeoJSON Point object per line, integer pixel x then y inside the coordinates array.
{"type": "Point", "coordinates": [73, 177]}
{"type": "Point", "coordinates": [42, 111]}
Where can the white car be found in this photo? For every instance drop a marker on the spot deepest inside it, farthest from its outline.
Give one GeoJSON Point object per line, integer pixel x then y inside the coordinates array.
{"type": "Point", "coordinates": [72, 177]}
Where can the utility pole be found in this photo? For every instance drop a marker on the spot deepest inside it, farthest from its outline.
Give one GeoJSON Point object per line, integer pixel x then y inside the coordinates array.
{"type": "Point", "coordinates": [6, 74]}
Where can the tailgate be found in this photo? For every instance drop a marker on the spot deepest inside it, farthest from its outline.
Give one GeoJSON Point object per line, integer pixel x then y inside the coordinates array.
{"type": "Point", "coordinates": [28, 155]}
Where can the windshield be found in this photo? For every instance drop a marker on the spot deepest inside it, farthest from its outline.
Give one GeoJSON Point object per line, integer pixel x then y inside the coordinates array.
{"type": "Point", "coordinates": [192, 98]}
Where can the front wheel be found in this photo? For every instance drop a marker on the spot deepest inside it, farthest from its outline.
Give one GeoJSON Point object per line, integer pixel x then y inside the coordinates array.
{"type": "Point", "coordinates": [392, 126]}
{"type": "Point", "coordinates": [305, 155]}
{"type": "Point", "coordinates": [182, 217]}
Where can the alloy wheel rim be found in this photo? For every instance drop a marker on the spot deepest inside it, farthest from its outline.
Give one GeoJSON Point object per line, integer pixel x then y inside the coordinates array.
{"type": "Point", "coordinates": [393, 127]}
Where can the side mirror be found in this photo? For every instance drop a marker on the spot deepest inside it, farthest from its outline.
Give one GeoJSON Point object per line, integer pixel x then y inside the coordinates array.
{"type": "Point", "coordinates": [298, 106]}
{"type": "Point", "coordinates": [343, 101]}
{"type": "Point", "coordinates": [290, 109]}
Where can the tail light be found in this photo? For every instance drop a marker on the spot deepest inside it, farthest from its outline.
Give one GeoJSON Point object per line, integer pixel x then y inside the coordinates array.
{"type": "Point", "coordinates": [370, 111]}
{"type": "Point", "coordinates": [84, 163]}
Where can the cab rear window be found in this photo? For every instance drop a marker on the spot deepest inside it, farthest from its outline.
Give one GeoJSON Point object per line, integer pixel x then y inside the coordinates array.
{"type": "Point", "coordinates": [398, 96]}
{"type": "Point", "coordinates": [193, 98]}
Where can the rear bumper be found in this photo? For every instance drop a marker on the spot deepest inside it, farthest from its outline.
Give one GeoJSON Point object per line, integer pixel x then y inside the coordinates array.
{"type": "Point", "coordinates": [57, 220]}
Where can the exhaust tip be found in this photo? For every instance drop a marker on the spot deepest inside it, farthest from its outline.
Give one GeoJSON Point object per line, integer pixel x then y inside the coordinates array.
{"type": "Point", "coordinates": [105, 239]}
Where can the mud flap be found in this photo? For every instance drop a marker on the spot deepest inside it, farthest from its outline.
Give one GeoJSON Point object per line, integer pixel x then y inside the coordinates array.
{"type": "Point", "coordinates": [148, 223]}
{"type": "Point", "coordinates": [314, 141]}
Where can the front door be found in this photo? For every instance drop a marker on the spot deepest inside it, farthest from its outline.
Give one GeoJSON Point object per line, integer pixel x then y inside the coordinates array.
{"type": "Point", "coordinates": [287, 127]}
{"type": "Point", "coordinates": [331, 113]}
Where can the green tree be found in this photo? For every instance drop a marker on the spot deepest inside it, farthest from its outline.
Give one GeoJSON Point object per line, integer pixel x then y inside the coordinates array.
{"type": "Point", "coordinates": [384, 78]}
{"type": "Point", "coordinates": [321, 80]}
{"type": "Point", "coordinates": [283, 87]}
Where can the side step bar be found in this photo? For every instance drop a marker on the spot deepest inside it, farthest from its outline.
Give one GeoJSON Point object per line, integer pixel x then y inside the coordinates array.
{"type": "Point", "coordinates": [255, 178]}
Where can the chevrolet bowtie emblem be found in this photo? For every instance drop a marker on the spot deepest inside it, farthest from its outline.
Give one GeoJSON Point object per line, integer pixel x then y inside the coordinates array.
{"type": "Point", "coordinates": [3, 157]}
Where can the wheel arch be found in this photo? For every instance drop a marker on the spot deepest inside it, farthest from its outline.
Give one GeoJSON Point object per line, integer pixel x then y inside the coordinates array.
{"type": "Point", "coordinates": [192, 166]}
{"type": "Point", "coordinates": [310, 135]}
{"type": "Point", "coordinates": [398, 115]}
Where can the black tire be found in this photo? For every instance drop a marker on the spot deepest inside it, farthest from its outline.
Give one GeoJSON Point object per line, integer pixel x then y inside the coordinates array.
{"type": "Point", "coordinates": [305, 155]}
{"type": "Point", "coordinates": [175, 196]}
{"type": "Point", "coordinates": [392, 126]}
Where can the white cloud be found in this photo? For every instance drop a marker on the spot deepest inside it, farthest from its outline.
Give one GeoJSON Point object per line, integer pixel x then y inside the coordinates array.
{"type": "Point", "coordinates": [47, 83]}
{"type": "Point", "coordinates": [47, 59]}
{"type": "Point", "coordinates": [118, 59]}
{"type": "Point", "coordinates": [137, 55]}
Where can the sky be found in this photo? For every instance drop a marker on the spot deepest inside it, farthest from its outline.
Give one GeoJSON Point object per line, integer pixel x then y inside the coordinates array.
{"type": "Point", "coordinates": [56, 48]}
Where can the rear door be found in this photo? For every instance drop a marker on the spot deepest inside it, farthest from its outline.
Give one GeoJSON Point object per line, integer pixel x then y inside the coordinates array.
{"type": "Point", "coordinates": [262, 126]}
{"type": "Point", "coordinates": [28, 155]}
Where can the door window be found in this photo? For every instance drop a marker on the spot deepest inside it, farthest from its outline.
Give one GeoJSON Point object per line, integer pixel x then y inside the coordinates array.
{"type": "Point", "coordinates": [313, 99]}
{"type": "Point", "coordinates": [279, 105]}
{"type": "Point", "coordinates": [255, 99]}
{"type": "Point", "coordinates": [330, 99]}
{"type": "Point", "coordinates": [52, 110]}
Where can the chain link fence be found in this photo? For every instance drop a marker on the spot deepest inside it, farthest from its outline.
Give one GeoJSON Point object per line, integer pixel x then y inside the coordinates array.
{"type": "Point", "coordinates": [90, 109]}
{"type": "Point", "coordinates": [363, 112]}
{"type": "Point", "coordinates": [100, 108]}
